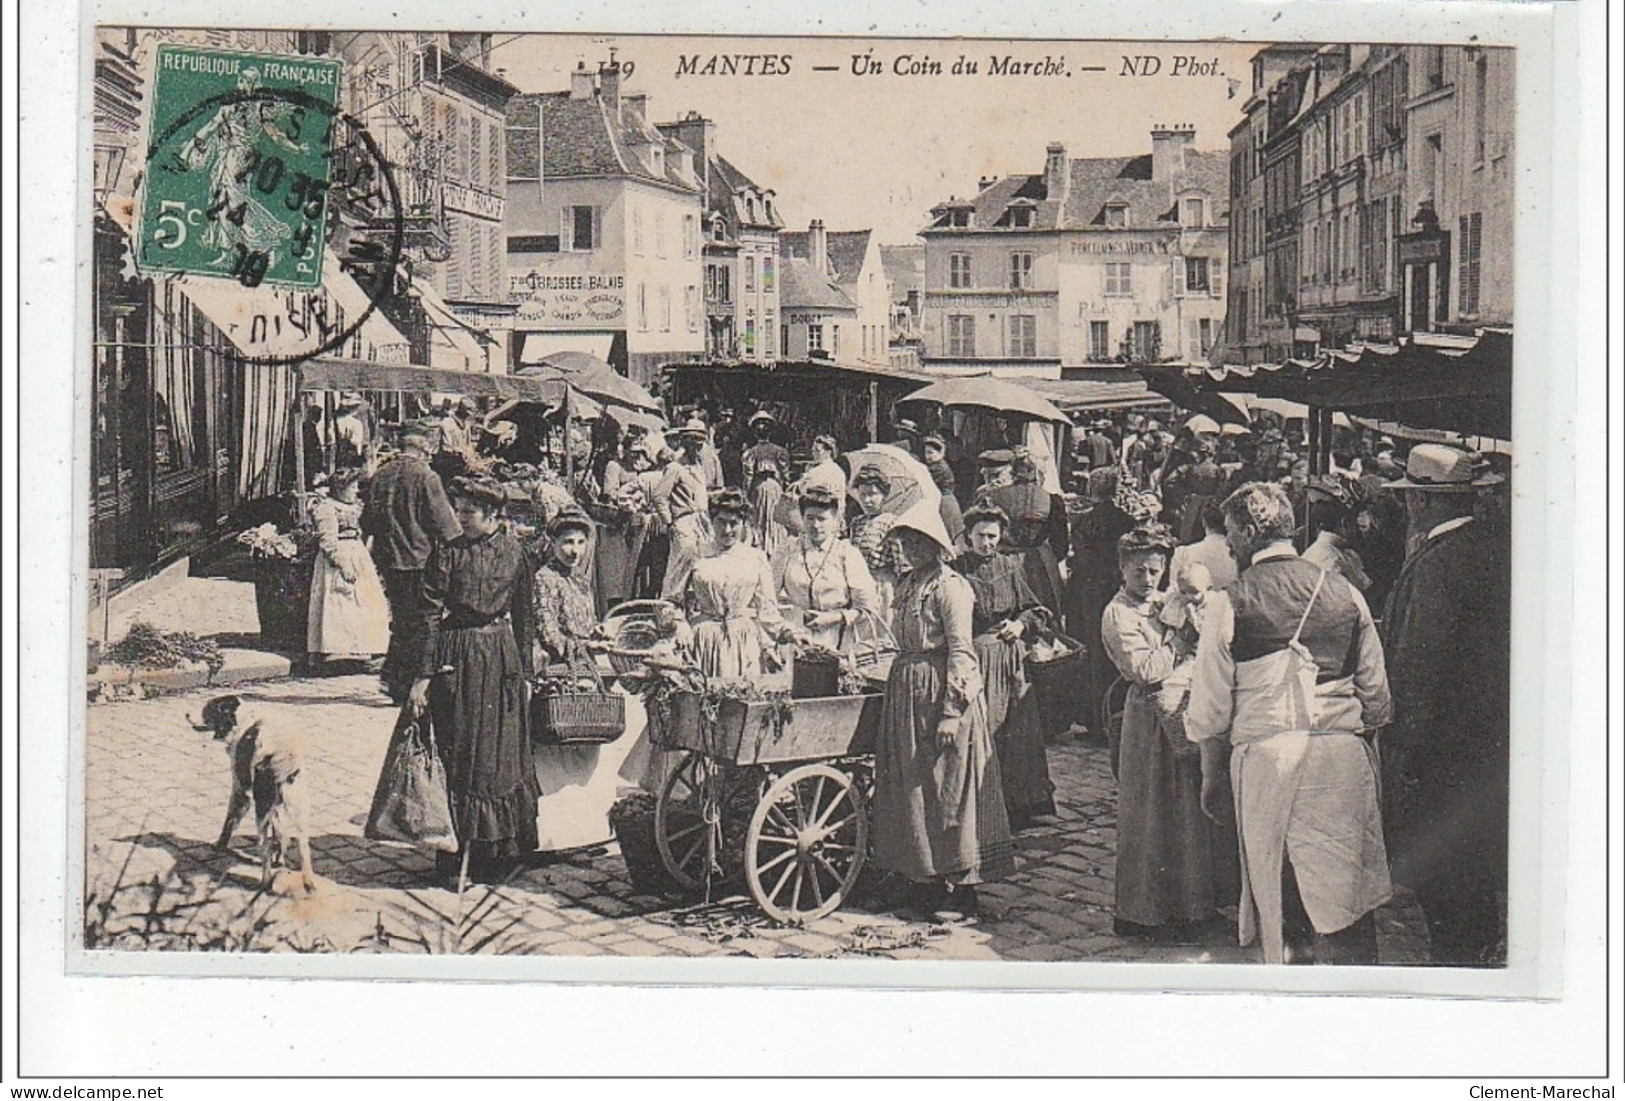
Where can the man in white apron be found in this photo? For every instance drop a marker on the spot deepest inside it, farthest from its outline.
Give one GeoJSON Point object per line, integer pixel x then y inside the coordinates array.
{"type": "Point", "coordinates": [1289, 674]}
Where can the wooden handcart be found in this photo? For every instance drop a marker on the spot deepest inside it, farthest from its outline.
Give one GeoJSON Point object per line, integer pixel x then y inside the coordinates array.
{"type": "Point", "coordinates": [793, 774]}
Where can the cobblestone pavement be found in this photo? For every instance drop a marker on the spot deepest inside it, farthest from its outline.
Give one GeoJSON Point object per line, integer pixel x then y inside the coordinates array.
{"type": "Point", "coordinates": [156, 792]}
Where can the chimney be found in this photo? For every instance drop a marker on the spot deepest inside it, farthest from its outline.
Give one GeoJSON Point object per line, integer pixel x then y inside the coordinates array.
{"type": "Point", "coordinates": [1057, 172]}
{"type": "Point", "coordinates": [609, 84]}
{"type": "Point", "coordinates": [636, 106]}
{"type": "Point", "coordinates": [1331, 64]}
{"type": "Point", "coordinates": [986, 182]}
{"type": "Point", "coordinates": [1168, 145]}
{"type": "Point", "coordinates": [581, 82]}
{"type": "Point", "coordinates": [818, 246]}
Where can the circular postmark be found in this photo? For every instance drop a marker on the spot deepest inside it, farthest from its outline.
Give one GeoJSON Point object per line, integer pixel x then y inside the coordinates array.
{"type": "Point", "coordinates": [250, 185]}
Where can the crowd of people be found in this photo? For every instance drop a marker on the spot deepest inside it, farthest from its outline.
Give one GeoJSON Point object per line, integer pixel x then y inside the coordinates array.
{"type": "Point", "coordinates": [1301, 679]}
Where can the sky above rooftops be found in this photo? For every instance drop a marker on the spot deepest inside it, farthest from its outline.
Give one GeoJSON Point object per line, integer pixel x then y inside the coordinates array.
{"type": "Point", "coordinates": [878, 151]}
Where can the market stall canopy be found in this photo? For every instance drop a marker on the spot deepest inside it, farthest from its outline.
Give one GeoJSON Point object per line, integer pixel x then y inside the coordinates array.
{"type": "Point", "coordinates": [539, 346]}
{"type": "Point", "coordinates": [987, 392]}
{"type": "Point", "coordinates": [1455, 384]}
{"type": "Point", "coordinates": [587, 374]}
{"type": "Point", "coordinates": [329, 373]}
{"type": "Point", "coordinates": [270, 322]}
{"type": "Point", "coordinates": [1070, 394]}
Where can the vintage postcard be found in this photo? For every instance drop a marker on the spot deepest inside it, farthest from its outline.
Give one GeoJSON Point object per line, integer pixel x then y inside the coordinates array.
{"type": "Point", "coordinates": [610, 502]}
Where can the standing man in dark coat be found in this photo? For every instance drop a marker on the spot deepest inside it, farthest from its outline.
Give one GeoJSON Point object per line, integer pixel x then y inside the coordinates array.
{"type": "Point", "coordinates": [406, 514]}
{"type": "Point", "coordinates": [1447, 633]}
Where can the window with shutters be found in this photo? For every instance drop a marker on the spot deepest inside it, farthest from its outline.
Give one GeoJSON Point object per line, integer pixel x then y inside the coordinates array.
{"type": "Point", "coordinates": [1100, 341]}
{"type": "Point", "coordinates": [476, 153]}
{"type": "Point", "coordinates": [750, 275]}
{"type": "Point", "coordinates": [815, 338]}
{"type": "Point", "coordinates": [1023, 332]}
{"type": "Point", "coordinates": [665, 308]}
{"type": "Point", "coordinates": [1021, 271]}
{"type": "Point", "coordinates": [959, 270]}
{"type": "Point", "coordinates": [579, 229]}
{"type": "Point", "coordinates": [750, 332]}
{"type": "Point", "coordinates": [493, 155]}
{"type": "Point", "coordinates": [660, 234]}
{"type": "Point", "coordinates": [457, 257]}
{"type": "Point", "coordinates": [770, 325]}
{"type": "Point", "coordinates": [1197, 269]}
{"type": "Point", "coordinates": [643, 307]}
{"type": "Point", "coordinates": [1119, 279]}
{"type": "Point", "coordinates": [474, 239]}
{"type": "Point", "coordinates": [1192, 213]}
{"type": "Point", "coordinates": [767, 275]}
{"type": "Point", "coordinates": [1201, 337]}
{"type": "Point", "coordinates": [1481, 76]}
{"type": "Point", "coordinates": [637, 231]}
{"type": "Point", "coordinates": [961, 335]}
{"type": "Point", "coordinates": [1471, 229]}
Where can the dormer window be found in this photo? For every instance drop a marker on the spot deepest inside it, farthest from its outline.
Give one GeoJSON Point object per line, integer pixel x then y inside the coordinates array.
{"type": "Point", "coordinates": [1193, 212]}
{"type": "Point", "coordinates": [1020, 217]}
{"type": "Point", "coordinates": [959, 218]}
{"type": "Point", "coordinates": [750, 208]}
{"type": "Point", "coordinates": [1115, 216]}
{"type": "Point", "coordinates": [719, 231]}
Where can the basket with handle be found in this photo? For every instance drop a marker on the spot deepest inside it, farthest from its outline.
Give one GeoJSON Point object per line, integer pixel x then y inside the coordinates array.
{"type": "Point", "coordinates": [1061, 669]}
{"type": "Point", "coordinates": [573, 717]}
{"type": "Point", "coordinates": [632, 628]}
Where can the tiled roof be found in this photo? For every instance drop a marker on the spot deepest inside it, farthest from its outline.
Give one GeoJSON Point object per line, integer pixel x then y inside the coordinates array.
{"type": "Point", "coordinates": [580, 137]}
{"type": "Point", "coordinates": [1097, 181]}
{"type": "Point", "coordinates": [845, 248]}
{"type": "Point", "coordinates": [803, 286]}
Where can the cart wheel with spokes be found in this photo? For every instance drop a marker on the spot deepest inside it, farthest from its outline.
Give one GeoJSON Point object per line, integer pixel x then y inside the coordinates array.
{"type": "Point", "coordinates": [807, 843]}
{"type": "Point", "coordinates": [701, 808]}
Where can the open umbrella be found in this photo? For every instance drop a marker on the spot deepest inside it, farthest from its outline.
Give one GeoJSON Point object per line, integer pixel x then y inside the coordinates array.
{"type": "Point", "coordinates": [987, 392]}
{"type": "Point", "coordinates": [589, 375]}
{"type": "Point", "coordinates": [910, 481]}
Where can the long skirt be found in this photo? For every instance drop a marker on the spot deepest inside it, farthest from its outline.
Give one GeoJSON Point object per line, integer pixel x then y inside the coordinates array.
{"type": "Point", "coordinates": [478, 706]}
{"type": "Point", "coordinates": [729, 649]}
{"type": "Point", "coordinates": [618, 548]}
{"type": "Point", "coordinates": [937, 813]}
{"type": "Point", "coordinates": [1014, 717]}
{"type": "Point", "coordinates": [1093, 583]}
{"type": "Point", "coordinates": [347, 620]}
{"type": "Point", "coordinates": [1165, 844]}
{"type": "Point", "coordinates": [690, 542]}
{"type": "Point", "coordinates": [766, 531]}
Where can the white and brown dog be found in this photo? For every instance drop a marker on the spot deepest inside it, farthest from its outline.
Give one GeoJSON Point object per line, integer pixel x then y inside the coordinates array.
{"type": "Point", "coordinates": [267, 768]}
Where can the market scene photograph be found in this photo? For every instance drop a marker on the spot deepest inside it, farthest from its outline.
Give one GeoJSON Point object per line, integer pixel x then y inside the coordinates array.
{"type": "Point", "coordinates": [554, 495]}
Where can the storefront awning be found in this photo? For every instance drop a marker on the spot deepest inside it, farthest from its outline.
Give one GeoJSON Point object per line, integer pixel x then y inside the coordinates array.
{"type": "Point", "coordinates": [330, 373]}
{"type": "Point", "coordinates": [1457, 385]}
{"type": "Point", "coordinates": [286, 323]}
{"type": "Point", "coordinates": [538, 346]}
{"type": "Point", "coordinates": [453, 345]}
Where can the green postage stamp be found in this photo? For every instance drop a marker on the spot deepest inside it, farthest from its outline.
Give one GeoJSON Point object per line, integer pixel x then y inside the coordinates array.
{"type": "Point", "coordinates": [239, 160]}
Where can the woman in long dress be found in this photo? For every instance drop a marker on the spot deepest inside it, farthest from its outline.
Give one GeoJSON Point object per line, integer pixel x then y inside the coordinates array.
{"type": "Point", "coordinates": [475, 661]}
{"type": "Point", "coordinates": [938, 805]}
{"type": "Point", "coordinates": [1007, 613]}
{"type": "Point", "coordinates": [824, 578]}
{"type": "Point", "coordinates": [1165, 874]}
{"type": "Point", "coordinates": [349, 614]}
{"type": "Point", "coordinates": [577, 784]}
{"type": "Point", "coordinates": [682, 503]}
{"type": "Point", "coordinates": [730, 600]}
{"type": "Point", "coordinates": [1093, 580]}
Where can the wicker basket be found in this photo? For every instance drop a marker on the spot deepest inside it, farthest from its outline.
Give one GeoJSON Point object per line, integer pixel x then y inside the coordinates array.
{"type": "Point", "coordinates": [578, 718]}
{"type": "Point", "coordinates": [1057, 675]}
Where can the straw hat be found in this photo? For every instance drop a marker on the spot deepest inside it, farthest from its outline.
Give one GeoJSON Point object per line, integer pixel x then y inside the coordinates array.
{"type": "Point", "coordinates": [1440, 468]}
{"type": "Point", "coordinates": [925, 518]}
